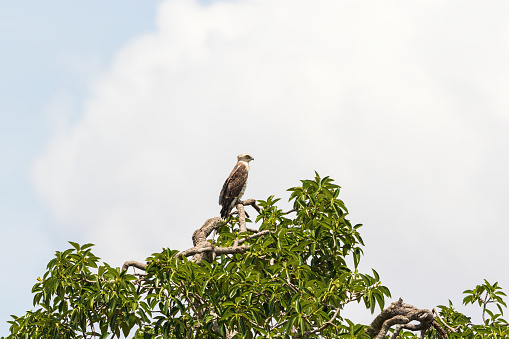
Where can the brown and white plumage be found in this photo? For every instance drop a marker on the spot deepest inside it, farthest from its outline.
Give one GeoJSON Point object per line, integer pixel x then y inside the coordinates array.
{"type": "Point", "coordinates": [235, 185]}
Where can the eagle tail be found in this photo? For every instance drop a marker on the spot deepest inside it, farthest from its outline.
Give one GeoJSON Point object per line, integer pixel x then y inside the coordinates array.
{"type": "Point", "coordinates": [225, 211]}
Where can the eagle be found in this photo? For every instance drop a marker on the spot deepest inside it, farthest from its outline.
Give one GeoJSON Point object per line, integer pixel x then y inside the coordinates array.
{"type": "Point", "coordinates": [235, 185]}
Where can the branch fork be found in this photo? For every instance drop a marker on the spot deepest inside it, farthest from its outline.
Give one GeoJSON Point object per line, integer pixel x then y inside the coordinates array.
{"type": "Point", "coordinates": [401, 315]}
{"type": "Point", "coordinates": [205, 250]}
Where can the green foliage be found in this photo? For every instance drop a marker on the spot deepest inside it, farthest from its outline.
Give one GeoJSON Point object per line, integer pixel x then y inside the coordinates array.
{"type": "Point", "coordinates": [70, 298]}
{"type": "Point", "coordinates": [294, 281]}
{"type": "Point", "coordinates": [493, 325]}
{"type": "Point", "coordinates": [297, 278]}
{"type": "Point", "coordinates": [485, 294]}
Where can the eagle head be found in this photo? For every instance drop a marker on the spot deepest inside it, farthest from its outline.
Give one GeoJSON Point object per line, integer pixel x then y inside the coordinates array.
{"type": "Point", "coordinates": [245, 157]}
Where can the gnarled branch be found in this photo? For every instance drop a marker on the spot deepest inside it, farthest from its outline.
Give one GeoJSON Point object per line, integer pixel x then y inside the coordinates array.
{"type": "Point", "coordinates": [204, 249]}
{"type": "Point", "coordinates": [201, 234]}
{"type": "Point", "coordinates": [401, 315]}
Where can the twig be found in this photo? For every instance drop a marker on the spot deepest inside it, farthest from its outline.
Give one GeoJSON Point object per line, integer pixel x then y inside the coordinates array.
{"type": "Point", "coordinates": [325, 324]}
{"type": "Point", "coordinates": [279, 324]}
{"type": "Point", "coordinates": [435, 311]}
{"type": "Point", "coordinates": [290, 211]}
{"type": "Point", "coordinates": [256, 235]}
{"type": "Point", "coordinates": [485, 303]}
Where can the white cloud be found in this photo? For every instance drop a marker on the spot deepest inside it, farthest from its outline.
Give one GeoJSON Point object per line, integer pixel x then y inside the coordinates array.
{"type": "Point", "coordinates": [404, 105]}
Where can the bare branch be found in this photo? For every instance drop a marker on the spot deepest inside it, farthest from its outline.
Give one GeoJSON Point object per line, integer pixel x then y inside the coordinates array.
{"type": "Point", "coordinates": [194, 250]}
{"type": "Point", "coordinates": [437, 314]}
{"type": "Point", "coordinates": [256, 235]}
{"type": "Point", "coordinates": [232, 250]}
{"type": "Point", "coordinates": [242, 218]}
{"type": "Point", "coordinates": [201, 234]}
{"type": "Point", "coordinates": [401, 315]}
{"type": "Point", "coordinates": [279, 324]}
{"type": "Point", "coordinates": [251, 202]}
{"type": "Point", "coordinates": [397, 329]}
{"type": "Point", "coordinates": [132, 263]}
{"type": "Point", "coordinates": [203, 246]}
{"type": "Point", "coordinates": [217, 250]}
{"type": "Point", "coordinates": [200, 240]}
{"type": "Point", "coordinates": [290, 211]}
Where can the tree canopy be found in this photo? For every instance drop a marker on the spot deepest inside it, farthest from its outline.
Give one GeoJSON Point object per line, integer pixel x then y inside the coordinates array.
{"type": "Point", "coordinates": [290, 277]}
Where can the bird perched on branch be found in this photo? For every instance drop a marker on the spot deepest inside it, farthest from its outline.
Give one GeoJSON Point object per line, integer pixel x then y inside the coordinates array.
{"type": "Point", "coordinates": [235, 185]}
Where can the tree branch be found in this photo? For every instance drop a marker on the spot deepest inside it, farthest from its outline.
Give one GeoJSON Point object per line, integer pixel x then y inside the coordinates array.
{"type": "Point", "coordinates": [444, 334]}
{"type": "Point", "coordinates": [251, 202]}
{"type": "Point", "coordinates": [232, 250]}
{"type": "Point", "coordinates": [401, 315]}
{"type": "Point", "coordinates": [325, 324]}
{"type": "Point", "coordinates": [201, 234]}
{"type": "Point", "coordinates": [256, 235]}
{"type": "Point", "coordinates": [242, 218]}
{"type": "Point", "coordinates": [132, 263]}
{"type": "Point", "coordinates": [290, 211]}
{"type": "Point", "coordinates": [217, 250]}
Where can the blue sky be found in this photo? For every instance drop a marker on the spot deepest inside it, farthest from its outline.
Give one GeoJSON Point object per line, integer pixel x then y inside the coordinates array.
{"type": "Point", "coordinates": [37, 42]}
{"type": "Point", "coordinates": [115, 115]}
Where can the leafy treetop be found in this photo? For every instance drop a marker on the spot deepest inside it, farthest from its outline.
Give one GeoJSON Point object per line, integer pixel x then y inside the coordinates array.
{"type": "Point", "coordinates": [290, 278]}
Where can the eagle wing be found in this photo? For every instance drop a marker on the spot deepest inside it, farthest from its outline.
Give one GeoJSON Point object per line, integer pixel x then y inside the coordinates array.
{"type": "Point", "coordinates": [233, 185]}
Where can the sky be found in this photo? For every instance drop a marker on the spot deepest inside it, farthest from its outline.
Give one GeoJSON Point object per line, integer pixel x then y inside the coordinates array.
{"type": "Point", "coordinates": [120, 120]}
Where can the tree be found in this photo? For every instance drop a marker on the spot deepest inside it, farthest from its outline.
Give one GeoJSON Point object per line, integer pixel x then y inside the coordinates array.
{"type": "Point", "coordinates": [290, 278]}
{"type": "Point", "coordinates": [446, 321]}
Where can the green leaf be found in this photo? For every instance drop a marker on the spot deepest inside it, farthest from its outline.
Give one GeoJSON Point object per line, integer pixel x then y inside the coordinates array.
{"type": "Point", "coordinates": [75, 245]}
